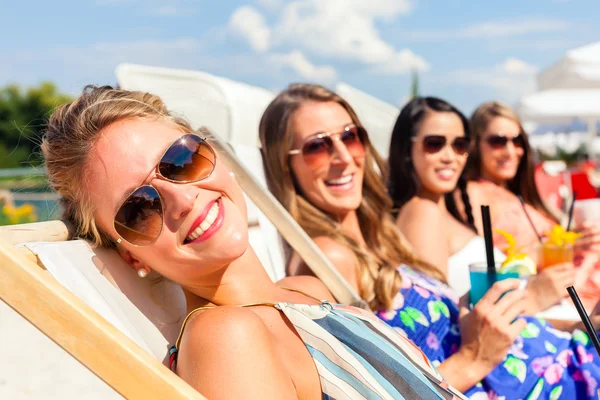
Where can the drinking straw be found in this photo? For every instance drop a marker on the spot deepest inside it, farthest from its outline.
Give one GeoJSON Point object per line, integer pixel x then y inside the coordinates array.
{"type": "Point", "coordinates": [571, 211]}
{"type": "Point", "coordinates": [584, 318]}
{"type": "Point", "coordinates": [529, 218]}
{"type": "Point", "coordinates": [489, 241]}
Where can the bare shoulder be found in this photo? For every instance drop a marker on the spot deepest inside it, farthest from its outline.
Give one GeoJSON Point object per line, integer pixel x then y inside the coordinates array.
{"type": "Point", "coordinates": [221, 350]}
{"type": "Point", "coordinates": [334, 250]}
{"type": "Point", "coordinates": [421, 210]}
{"type": "Point", "coordinates": [307, 284]}
{"type": "Point", "coordinates": [479, 190]}
{"type": "Point", "coordinates": [225, 325]}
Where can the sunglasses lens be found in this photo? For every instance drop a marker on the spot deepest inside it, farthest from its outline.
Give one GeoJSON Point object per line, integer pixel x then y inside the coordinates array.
{"type": "Point", "coordinates": [460, 145]}
{"type": "Point", "coordinates": [519, 141]}
{"type": "Point", "coordinates": [317, 151]}
{"type": "Point", "coordinates": [497, 141]}
{"type": "Point", "coordinates": [140, 218]}
{"type": "Point", "coordinates": [433, 143]}
{"type": "Point", "coordinates": [353, 140]}
{"type": "Point", "coordinates": [190, 158]}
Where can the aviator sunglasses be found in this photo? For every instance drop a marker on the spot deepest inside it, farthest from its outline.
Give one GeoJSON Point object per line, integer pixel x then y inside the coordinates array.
{"type": "Point", "coordinates": [317, 149]}
{"type": "Point", "coordinates": [498, 141]}
{"type": "Point", "coordinates": [139, 219]}
{"type": "Point", "coordinates": [435, 143]}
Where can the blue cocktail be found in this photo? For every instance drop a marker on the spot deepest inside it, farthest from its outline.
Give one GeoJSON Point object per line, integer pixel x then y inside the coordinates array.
{"type": "Point", "coordinates": [482, 281]}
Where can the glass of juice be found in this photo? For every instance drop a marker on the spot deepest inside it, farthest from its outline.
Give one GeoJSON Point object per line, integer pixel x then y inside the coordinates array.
{"type": "Point", "coordinates": [481, 281]}
{"type": "Point", "coordinates": [551, 254]}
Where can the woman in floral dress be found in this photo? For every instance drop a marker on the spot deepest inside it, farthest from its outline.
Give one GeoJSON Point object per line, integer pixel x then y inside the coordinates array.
{"type": "Point", "coordinates": [321, 167]}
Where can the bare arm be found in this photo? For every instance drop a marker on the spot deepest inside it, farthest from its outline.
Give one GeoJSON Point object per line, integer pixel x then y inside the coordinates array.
{"type": "Point", "coordinates": [424, 225]}
{"type": "Point", "coordinates": [227, 353]}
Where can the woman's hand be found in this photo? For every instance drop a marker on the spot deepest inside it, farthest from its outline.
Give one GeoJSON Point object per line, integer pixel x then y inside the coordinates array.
{"type": "Point", "coordinates": [548, 287]}
{"type": "Point", "coordinates": [490, 329]}
{"type": "Point", "coordinates": [590, 239]}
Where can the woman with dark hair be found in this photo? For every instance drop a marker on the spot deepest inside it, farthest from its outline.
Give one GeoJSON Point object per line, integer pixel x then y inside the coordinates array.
{"type": "Point", "coordinates": [428, 152]}
{"type": "Point", "coordinates": [321, 166]}
{"type": "Point", "coordinates": [499, 169]}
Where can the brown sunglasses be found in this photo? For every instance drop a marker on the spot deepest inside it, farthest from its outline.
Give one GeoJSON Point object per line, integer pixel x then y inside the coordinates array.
{"type": "Point", "coordinates": [498, 141]}
{"type": "Point", "coordinates": [139, 219]}
{"type": "Point", "coordinates": [435, 143]}
{"type": "Point", "coordinates": [317, 149]}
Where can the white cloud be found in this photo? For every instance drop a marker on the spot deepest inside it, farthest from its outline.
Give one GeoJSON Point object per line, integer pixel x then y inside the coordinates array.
{"type": "Point", "coordinates": [403, 61]}
{"type": "Point", "coordinates": [493, 29]}
{"type": "Point", "coordinates": [303, 67]}
{"type": "Point", "coordinates": [271, 5]}
{"type": "Point", "coordinates": [512, 78]}
{"type": "Point", "coordinates": [250, 24]}
{"type": "Point", "coordinates": [515, 66]}
{"type": "Point", "coordinates": [337, 29]}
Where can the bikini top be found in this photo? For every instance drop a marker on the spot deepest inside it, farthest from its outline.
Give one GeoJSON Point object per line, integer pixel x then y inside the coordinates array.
{"type": "Point", "coordinates": [356, 354]}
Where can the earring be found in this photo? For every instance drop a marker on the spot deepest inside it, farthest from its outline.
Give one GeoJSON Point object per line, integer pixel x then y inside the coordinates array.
{"type": "Point", "coordinates": [142, 273]}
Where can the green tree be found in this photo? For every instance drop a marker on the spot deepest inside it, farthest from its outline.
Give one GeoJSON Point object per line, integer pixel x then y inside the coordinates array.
{"type": "Point", "coordinates": [414, 85]}
{"type": "Point", "coordinates": [23, 117]}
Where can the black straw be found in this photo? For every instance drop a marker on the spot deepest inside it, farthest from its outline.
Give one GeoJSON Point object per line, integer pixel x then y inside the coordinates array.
{"type": "Point", "coordinates": [529, 218]}
{"type": "Point", "coordinates": [584, 318]}
{"type": "Point", "coordinates": [571, 211]}
{"type": "Point", "coordinates": [489, 241]}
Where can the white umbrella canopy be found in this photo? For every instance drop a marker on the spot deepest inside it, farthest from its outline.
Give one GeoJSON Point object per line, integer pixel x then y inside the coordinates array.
{"type": "Point", "coordinates": [377, 116]}
{"type": "Point", "coordinates": [561, 106]}
{"type": "Point", "coordinates": [578, 69]}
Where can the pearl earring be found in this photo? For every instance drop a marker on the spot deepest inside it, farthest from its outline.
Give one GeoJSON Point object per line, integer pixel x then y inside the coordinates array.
{"type": "Point", "coordinates": [142, 273]}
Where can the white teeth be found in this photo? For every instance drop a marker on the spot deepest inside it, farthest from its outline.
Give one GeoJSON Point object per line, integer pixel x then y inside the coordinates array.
{"type": "Point", "coordinates": [446, 173]}
{"type": "Point", "coordinates": [207, 223]}
{"type": "Point", "coordinates": [340, 181]}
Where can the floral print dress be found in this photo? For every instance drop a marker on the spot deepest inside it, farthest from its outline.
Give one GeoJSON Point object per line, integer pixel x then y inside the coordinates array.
{"type": "Point", "coordinates": [543, 363]}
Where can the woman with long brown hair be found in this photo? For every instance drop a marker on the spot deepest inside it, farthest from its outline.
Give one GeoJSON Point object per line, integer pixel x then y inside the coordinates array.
{"type": "Point", "coordinates": [500, 169]}
{"type": "Point", "coordinates": [321, 166]}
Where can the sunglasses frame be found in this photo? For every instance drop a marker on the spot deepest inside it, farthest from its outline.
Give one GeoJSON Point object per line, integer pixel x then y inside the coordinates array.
{"type": "Point", "coordinates": [446, 143]}
{"type": "Point", "coordinates": [161, 176]}
{"type": "Point", "coordinates": [364, 139]}
{"type": "Point", "coordinates": [520, 137]}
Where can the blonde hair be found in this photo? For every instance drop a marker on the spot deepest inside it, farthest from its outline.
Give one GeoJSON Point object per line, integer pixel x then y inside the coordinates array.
{"type": "Point", "coordinates": [378, 278]}
{"type": "Point", "coordinates": [73, 130]}
{"type": "Point", "coordinates": [523, 184]}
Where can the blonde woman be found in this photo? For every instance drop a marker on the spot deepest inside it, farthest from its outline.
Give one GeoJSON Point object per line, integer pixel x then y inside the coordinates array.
{"type": "Point", "coordinates": [499, 169]}
{"type": "Point", "coordinates": [135, 177]}
{"type": "Point", "coordinates": [321, 166]}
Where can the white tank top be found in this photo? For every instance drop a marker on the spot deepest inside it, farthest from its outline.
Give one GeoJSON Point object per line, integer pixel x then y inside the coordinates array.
{"type": "Point", "coordinates": [458, 263]}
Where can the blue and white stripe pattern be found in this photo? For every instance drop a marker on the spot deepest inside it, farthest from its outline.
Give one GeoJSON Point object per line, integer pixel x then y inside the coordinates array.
{"type": "Point", "coordinates": [360, 357]}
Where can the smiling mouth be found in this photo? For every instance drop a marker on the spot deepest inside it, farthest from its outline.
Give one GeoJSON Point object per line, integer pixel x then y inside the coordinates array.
{"type": "Point", "coordinates": [344, 180]}
{"type": "Point", "coordinates": [446, 173]}
{"type": "Point", "coordinates": [213, 218]}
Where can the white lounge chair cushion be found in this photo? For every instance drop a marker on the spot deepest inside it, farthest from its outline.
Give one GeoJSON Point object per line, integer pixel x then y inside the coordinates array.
{"type": "Point", "coordinates": [149, 313]}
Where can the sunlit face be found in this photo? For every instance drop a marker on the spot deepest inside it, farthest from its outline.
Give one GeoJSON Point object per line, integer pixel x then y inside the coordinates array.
{"type": "Point", "coordinates": [124, 158]}
{"type": "Point", "coordinates": [500, 164]}
{"type": "Point", "coordinates": [336, 185]}
{"type": "Point", "coordinates": [438, 171]}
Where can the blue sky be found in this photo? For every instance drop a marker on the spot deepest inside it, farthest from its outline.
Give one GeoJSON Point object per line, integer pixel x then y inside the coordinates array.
{"type": "Point", "coordinates": [466, 51]}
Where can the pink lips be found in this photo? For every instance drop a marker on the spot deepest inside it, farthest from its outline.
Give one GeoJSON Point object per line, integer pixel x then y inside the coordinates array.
{"type": "Point", "coordinates": [213, 228]}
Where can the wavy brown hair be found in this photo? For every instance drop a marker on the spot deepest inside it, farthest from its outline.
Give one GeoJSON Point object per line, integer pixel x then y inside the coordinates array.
{"type": "Point", "coordinates": [378, 279]}
{"type": "Point", "coordinates": [523, 184]}
{"type": "Point", "coordinates": [72, 132]}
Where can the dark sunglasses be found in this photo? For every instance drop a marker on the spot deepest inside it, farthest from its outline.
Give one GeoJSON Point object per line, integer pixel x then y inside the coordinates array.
{"type": "Point", "coordinates": [435, 143]}
{"type": "Point", "coordinates": [139, 219]}
{"type": "Point", "coordinates": [499, 141]}
{"type": "Point", "coordinates": [317, 149]}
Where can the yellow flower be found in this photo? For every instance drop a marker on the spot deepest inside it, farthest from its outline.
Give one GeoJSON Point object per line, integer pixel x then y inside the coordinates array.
{"type": "Point", "coordinates": [511, 250]}
{"type": "Point", "coordinates": [558, 236]}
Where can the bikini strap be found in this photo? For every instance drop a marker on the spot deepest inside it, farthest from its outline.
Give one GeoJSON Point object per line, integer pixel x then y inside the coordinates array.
{"type": "Point", "coordinates": [175, 348]}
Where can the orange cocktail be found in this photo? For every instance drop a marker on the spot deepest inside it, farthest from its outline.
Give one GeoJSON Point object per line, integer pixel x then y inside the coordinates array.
{"type": "Point", "coordinates": [557, 248]}
{"type": "Point", "coordinates": [551, 254]}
